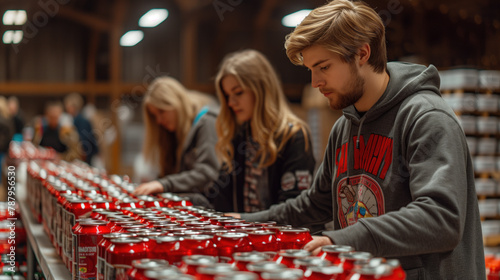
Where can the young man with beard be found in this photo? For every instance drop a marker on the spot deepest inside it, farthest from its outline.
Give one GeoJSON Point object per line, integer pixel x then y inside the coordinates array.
{"type": "Point", "coordinates": [397, 178]}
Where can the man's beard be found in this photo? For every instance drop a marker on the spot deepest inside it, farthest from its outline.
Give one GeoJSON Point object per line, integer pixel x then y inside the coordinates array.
{"type": "Point", "coordinates": [351, 93]}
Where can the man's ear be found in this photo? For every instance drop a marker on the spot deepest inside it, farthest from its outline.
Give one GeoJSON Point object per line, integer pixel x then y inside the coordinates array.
{"type": "Point", "coordinates": [364, 54]}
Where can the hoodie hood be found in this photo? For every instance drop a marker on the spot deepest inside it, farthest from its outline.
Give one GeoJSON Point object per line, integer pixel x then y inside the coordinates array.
{"type": "Point", "coordinates": [405, 80]}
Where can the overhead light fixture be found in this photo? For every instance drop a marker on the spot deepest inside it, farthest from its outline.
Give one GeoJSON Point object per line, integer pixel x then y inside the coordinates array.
{"type": "Point", "coordinates": [131, 38]}
{"type": "Point", "coordinates": [294, 19]}
{"type": "Point", "coordinates": [14, 17]}
{"type": "Point", "coordinates": [12, 36]}
{"type": "Point", "coordinates": [153, 17]}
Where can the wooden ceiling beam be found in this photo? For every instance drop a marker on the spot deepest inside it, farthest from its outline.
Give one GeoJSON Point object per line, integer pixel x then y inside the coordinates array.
{"type": "Point", "coordinates": [99, 88]}
{"type": "Point", "coordinates": [89, 20]}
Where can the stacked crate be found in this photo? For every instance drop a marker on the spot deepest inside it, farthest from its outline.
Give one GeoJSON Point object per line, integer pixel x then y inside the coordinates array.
{"type": "Point", "coordinates": [474, 95]}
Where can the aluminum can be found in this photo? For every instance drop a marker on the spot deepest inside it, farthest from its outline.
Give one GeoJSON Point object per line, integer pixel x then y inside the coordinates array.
{"type": "Point", "coordinates": [263, 240]}
{"type": "Point", "coordinates": [75, 209]}
{"type": "Point", "coordinates": [331, 252]}
{"type": "Point", "coordinates": [306, 262]}
{"type": "Point", "coordinates": [242, 259]}
{"type": "Point", "coordinates": [265, 266]}
{"type": "Point", "coordinates": [120, 254]}
{"type": "Point", "coordinates": [101, 251]}
{"type": "Point", "coordinates": [231, 242]}
{"type": "Point", "coordinates": [169, 248]}
{"type": "Point", "coordinates": [86, 237]}
{"type": "Point", "coordinates": [287, 257]}
{"type": "Point", "coordinates": [216, 269]}
{"type": "Point", "coordinates": [191, 263]}
{"type": "Point", "coordinates": [200, 245]}
{"type": "Point", "coordinates": [139, 267]}
{"type": "Point", "coordinates": [380, 272]}
{"type": "Point", "coordinates": [347, 260]}
{"type": "Point", "coordinates": [323, 272]}
{"type": "Point", "coordinates": [293, 238]}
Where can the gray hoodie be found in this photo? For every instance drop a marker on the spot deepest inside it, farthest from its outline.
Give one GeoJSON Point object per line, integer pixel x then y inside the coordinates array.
{"type": "Point", "coordinates": [398, 183]}
{"type": "Point", "coordinates": [199, 164]}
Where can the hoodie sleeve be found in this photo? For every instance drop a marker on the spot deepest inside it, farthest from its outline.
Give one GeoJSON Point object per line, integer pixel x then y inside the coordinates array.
{"type": "Point", "coordinates": [311, 207]}
{"type": "Point", "coordinates": [436, 156]}
{"type": "Point", "coordinates": [206, 166]}
{"type": "Point", "coordinates": [298, 167]}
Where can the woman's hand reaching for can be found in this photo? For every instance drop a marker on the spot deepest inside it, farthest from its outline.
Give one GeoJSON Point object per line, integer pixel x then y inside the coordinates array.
{"type": "Point", "coordinates": [149, 188]}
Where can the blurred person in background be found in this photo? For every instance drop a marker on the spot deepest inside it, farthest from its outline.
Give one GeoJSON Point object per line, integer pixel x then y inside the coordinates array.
{"type": "Point", "coordinates": [180, 138]}
{"type": "Point", "coordinates": [73, 103]}
{"type": "Point", "coordinates": [265, 149]}
{"type": "Point", "coordinates": [17, 117]}
{"type": "Point", "coordinates": [55, 132]}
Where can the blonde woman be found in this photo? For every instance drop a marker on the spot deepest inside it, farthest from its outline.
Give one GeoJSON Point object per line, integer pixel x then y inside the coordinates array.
{"type": "Point", "coordinates": [180, 136]}
{"type": "Point", "coordinates": [265, 149]}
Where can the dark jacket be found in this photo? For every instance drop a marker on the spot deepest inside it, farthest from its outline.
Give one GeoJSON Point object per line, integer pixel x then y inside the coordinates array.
{"type": "Point", "coordinates": [287, 176]}
{"type": "Point", "coordinates": [199, 163]}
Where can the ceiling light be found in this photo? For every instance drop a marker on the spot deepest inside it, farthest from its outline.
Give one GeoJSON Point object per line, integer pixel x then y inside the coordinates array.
{"type": "Point", "coordinates": [294, 19]}
{"type": "Point", "coordinates": [18, 37]}
{"type": "Point", "coordinates": [7, 36]}
{"type": "Point", "coordinates": [12, 37]}
{"type": "Point", "coordinates": [153, 17]}
{"type": "Point", "coordinates": [14, 17]}
{"type": "Point", "coordinates": [131, 38]}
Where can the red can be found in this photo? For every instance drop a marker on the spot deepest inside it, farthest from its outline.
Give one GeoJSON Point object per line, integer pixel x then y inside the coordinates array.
{"type": "Point", "coordinates": [285, 274]}
{"type": "Point", "coordinates": [101, 251]}
{"type": "Point", "coordinates": [74, 209]}
{"type": "Point", "coordinates": [323, 273]}
{"type": "Point", "coordinates": [331, 252]}
{"type": "Point", "coordinates": [120, 254]}
{"type": "Point", "coordinates": [293, 238]}
{"type": "Point", "coordinates": [200, 245]}
{"type": "Point", "coordinates": [139, 267]}
{"type": "Point", "coordinates": [170, 248]}
{"type": "Point", "coordinates": [263, 240]}
{"type": "Point", "coordinates": [231, 242]}
{"type": "Point", "coordinates": [347, 260]}
{"type": "Point", "coordinates": [264, 225]}
{"type": "Point", "coordinates": [265, 266]}
{"type": "Point", "coordinates": [216, 269]}
{"type": "Point", "coordinates": [86, 236]}
{"type": "Point", "coordinates": [307, 262]}
{"type": "Point", "coordinates": [380, 272]}
{"type": "Point", "coordinates": [242, 259]}
{"type": "Point", "coordinates": [150, 201]}
{"type": "Point", "coordinates": [191, 263]}
{"type": "Point", "coordinates": [287, 257]}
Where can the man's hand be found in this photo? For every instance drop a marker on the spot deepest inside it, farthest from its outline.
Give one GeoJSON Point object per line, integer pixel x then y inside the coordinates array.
{"type": "Point", "coordinates": [314, 246]}
{"type": "Point", "coordinates": [234, 215]}
{"type": "Point", "coordinates": [149, 188]}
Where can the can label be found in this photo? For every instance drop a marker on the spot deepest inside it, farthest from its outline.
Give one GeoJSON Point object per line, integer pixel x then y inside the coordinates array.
{"type": "Point", "coordinates": [117, 271]}
{"type": "Point", "coordinates": [85, 256]}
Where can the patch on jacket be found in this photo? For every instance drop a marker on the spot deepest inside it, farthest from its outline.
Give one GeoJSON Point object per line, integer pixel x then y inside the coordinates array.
{"type": "Point", "coordinates": [304, 179]}
{"type": "Point", "coordinates": [287, 181]}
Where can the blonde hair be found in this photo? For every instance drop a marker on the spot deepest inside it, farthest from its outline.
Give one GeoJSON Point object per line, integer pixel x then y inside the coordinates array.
{"type": "Point", "coordinates": [342, 27]}
{"type": "Point", "coordinates": [161, 146]}
{"type": "Point", "coordinates": [4, 109]}
{"type": "Point", "coordinates": [75, 100]}
{"type": "Point", "coordinates": [271, 117]}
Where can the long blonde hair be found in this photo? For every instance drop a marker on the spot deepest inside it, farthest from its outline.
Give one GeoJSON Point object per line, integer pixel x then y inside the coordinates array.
{"type": "Point", "coordinates": [272, 121]}
{"type": "Point", "coordinates": [161, 146]}
{"type": "Point", "coordinates": [342, 27]}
